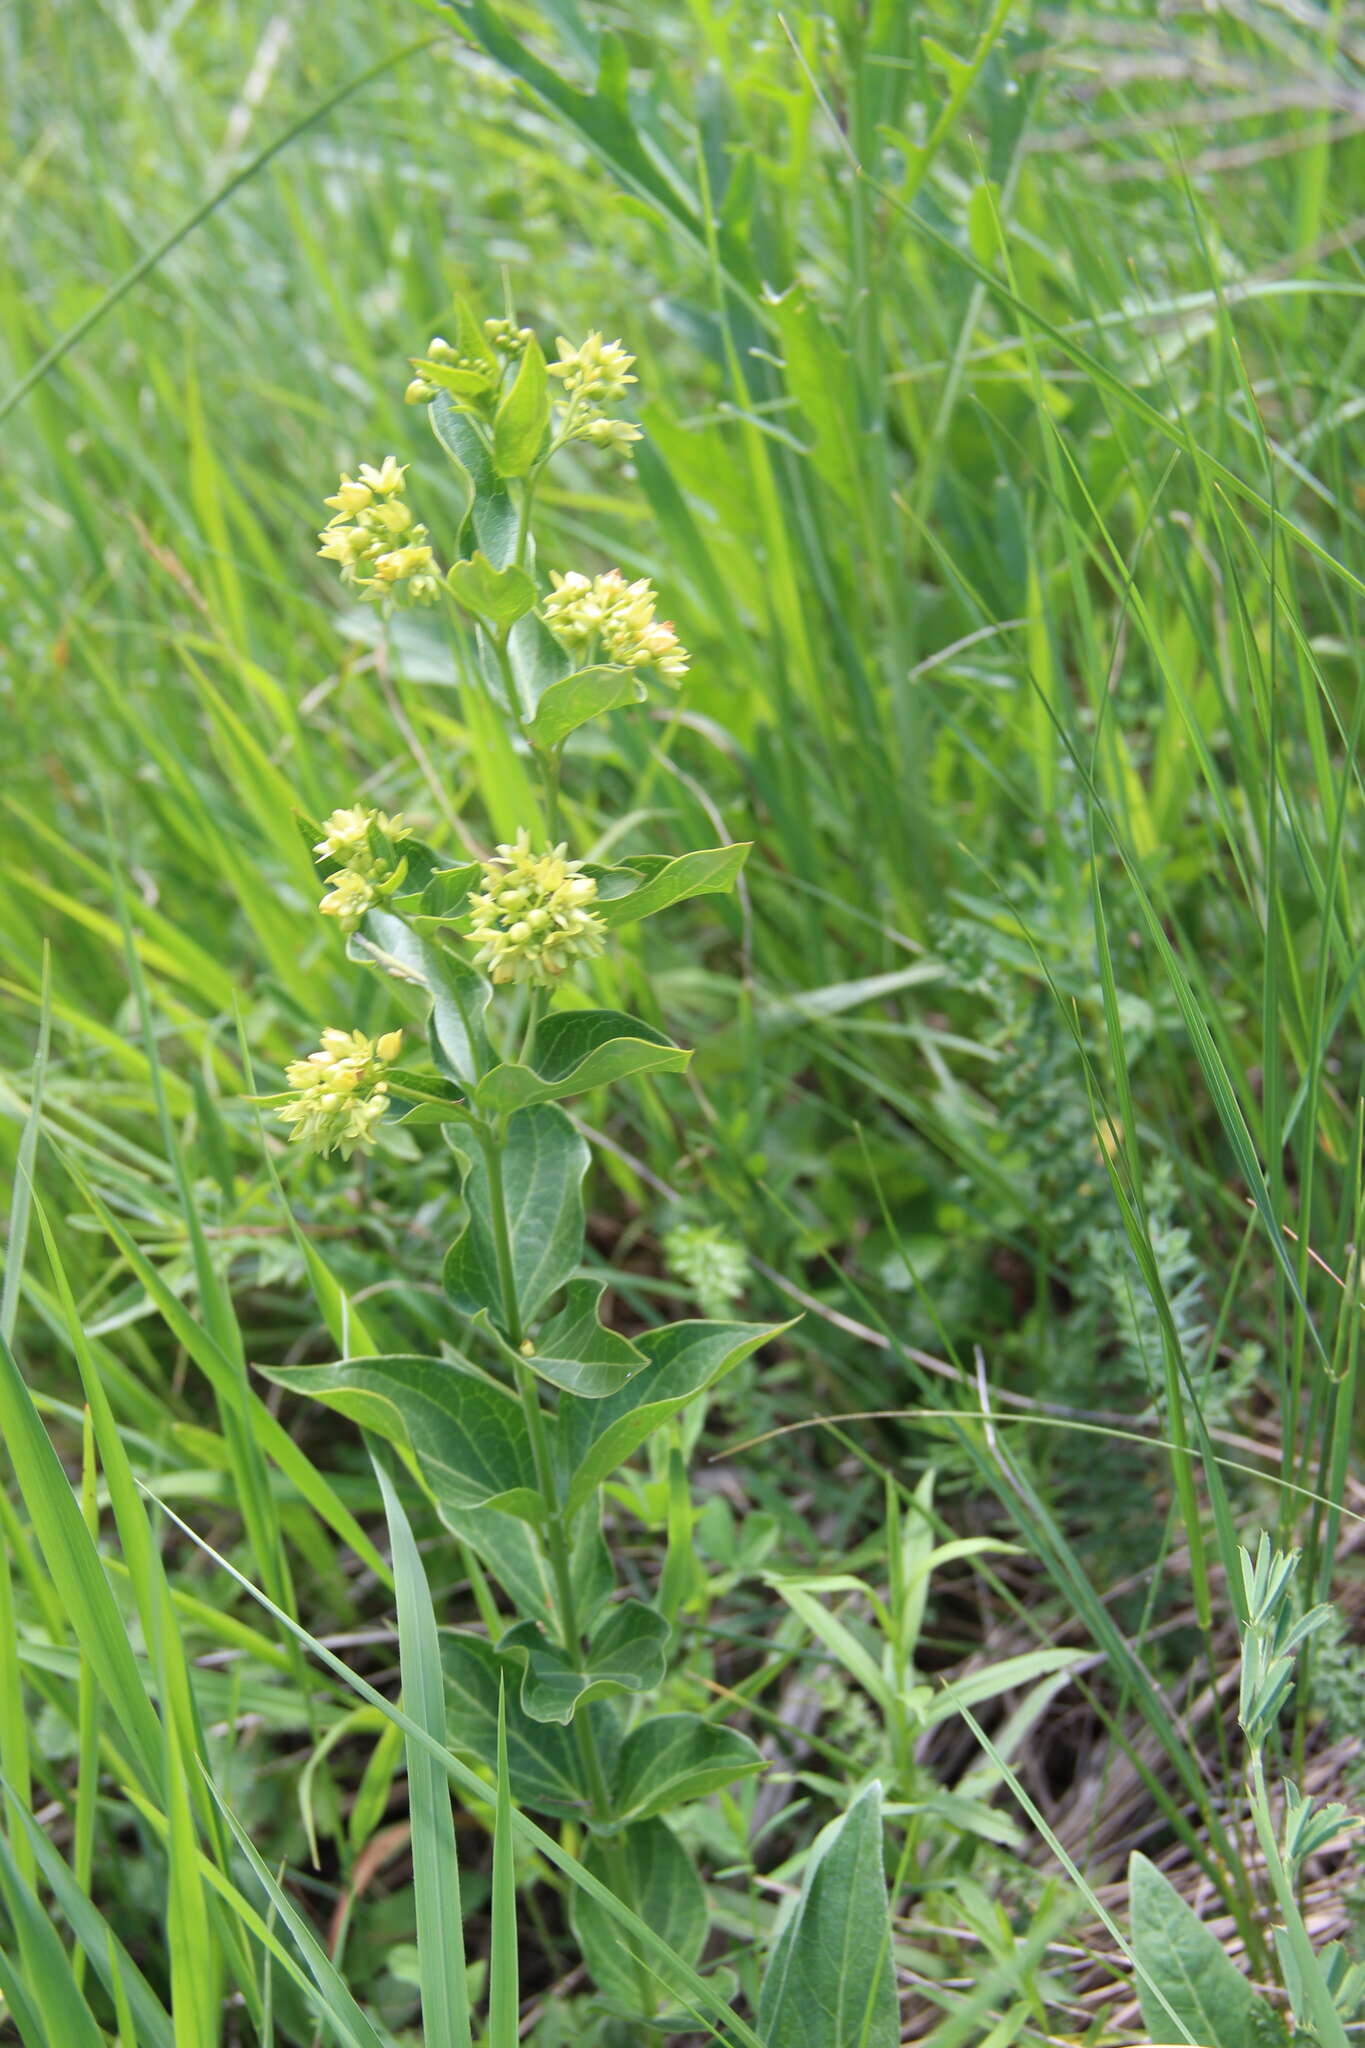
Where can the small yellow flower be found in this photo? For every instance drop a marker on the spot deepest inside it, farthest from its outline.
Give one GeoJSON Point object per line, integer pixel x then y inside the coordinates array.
{"type": "Point", "coordinates": [531, 918]}
{"type": "Point", "coordinates": [365, 845]}
{"type": "Point", "coordinates": [387, 479]}
{"type": "Point", "coordinates": [371, 515]}
{"type": "Point", "coordinates": [340, 1092]}
{"type": "Point", "coordinates": [348, 897]}
{"type": "Point", "coordinates": [596, 369]}
{"type": "Point", "coordinates": [350, 497]}
{"type": "Point", "coordinates": [347, 835]}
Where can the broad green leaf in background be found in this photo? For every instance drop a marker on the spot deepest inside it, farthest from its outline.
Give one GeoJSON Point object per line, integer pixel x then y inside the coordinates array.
{"type": "Point", "coordinates": [664, 1889]}
{"type": "Point", "coordinates": [665, 882]}
{"type": "Point", "coordinates": [830, 1978]}
{"type": "Point", "coordinates": [625, 1655]}
{"type": "Point", "coordinates": [523, 415]}
{"type": "Point", "coordinates": [673, 1758]}
{"type": "Point", "coordinates": [1201, 1985]}
{"type": "Point", "coordinates": [574, 699]}
{"type": "Point", "coordinates": [543, 1164]}
{"type": "Point", "coordinates": [576, 1050]}
{"type": "Point", "coordinates": [467, 1434]}
{"type": "Point", "coordinates": [683, 1360]}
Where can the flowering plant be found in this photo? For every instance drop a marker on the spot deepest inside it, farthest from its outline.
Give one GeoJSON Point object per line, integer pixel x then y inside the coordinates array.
{"type": "Point", "coordinates": [516, 1429]}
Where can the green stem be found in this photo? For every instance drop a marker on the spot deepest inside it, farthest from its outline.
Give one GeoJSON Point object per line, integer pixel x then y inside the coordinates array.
{"type": "Point", "coordinates": [535, 1002]}
{"type": "Point", "coordinates": [547, 760]}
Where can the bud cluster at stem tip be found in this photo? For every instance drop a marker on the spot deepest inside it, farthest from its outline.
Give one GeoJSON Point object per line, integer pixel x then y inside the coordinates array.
{"type": "Point", "coordinates": [531, 919]}
{"type": "Point", "coordinates": [608, 619]}
{"type": "Point", "coordinates": [381, 549]}
{"type": "Point", "coordinates": [340, 1092]}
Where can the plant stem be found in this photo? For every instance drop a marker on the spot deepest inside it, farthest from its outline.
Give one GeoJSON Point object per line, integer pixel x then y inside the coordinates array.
{"type": "Point", "coordinates": [535, 1002]}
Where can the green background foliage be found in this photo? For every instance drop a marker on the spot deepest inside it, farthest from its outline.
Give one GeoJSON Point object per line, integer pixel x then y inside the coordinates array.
{"type": "Point", "coordinates": [999, 377]}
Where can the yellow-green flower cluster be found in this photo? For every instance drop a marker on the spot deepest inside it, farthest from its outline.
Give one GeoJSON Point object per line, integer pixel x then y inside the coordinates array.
{"type": "Point", "coordinates": [340, 1092]}
{"type": "Point", "coordinates": [365, 843]}
{"type": "Point", "coordinates": [594, 374]}
{"type": "Point", "coordinates": [381, 549]}
{"type": "Point", "coordinates": [605, 618]}
{"type": "Point", "coordinates": [714, 1267]}
{"type": "Point", "coordinates": [531, 919]}
{"type": "Point", "coordinates": [596, 369]}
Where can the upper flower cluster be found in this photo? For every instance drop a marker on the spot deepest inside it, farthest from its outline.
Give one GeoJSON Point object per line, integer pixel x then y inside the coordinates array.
{"type": "Point", "coordinates": [531, 918]}
{"type": "Point", "coordinates": [606, 616]}
{"type": "Point", "coordinates": [340, 1092]}
{"type": "Point", "coordinates": [365, 844]}
{"type": "Point", "coordinates": [382, 550]}
{"type": "Point", "coordinates": [594, 374]}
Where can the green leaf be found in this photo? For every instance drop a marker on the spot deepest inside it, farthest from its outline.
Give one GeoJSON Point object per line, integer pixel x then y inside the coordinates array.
{"type": "Point", "coordinates": [577, 1050]}
{"type": "Point", "coordinates": [829, 1978]}
{"type": "Point", "coordinates": [625, 1655]}
{"type": "Point", "coordinates": [665, 882]}
{"type": "Point", "coordinates": [523, 415]}
{"type": "Point", "coordinates": [435, 1866]}
{"type": "Point", "coordinates": [467, 1435]}
{"type": "Point", "coordinates": [674, 1758]}
{"type": "Point", "coordinates": [458, 995]}
{"type": "Point", "coordinates": [464, 383]}
{"type": "Point", "coordinates": [543, 1761]}
{"type": "Point", "coordinates": [817, 374]}
{"type": "Point", "coordinates": [438, 895]}
{"type": "Point", "coordinates": [682, 1360]}
{"type": "Point", "coordinates": [1200, 1987]}
{"type": "Point", "coordinates": [78, 1572]}
{"type": "Point", "coordinates": [488, 506]}
{"type": "Point", "coordinates": [656, 1874]}
{"type": "Point", "coordinates": [504, 1982]}
{"type": "Point", "coordinates": [574, 699]}
{"type": "Point", "coordinates": [543, 1164]}
{"type": "Point", "coordinates": [500, 595]}
{"type": "Point", "coordinates": [575, 1352]}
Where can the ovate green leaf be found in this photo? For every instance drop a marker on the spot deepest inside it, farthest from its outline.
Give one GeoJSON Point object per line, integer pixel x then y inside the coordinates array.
{"type": "Point", "coordinates": [543, 1164]}
{"type": "Point", "coordinates": [458, 995]}
{"type": "Point", "coordinates": [673, 1758]}
{"type": "Point", "coordinates": [500, 595]}
{"type": "Point", "coordinates": [665, 882]}
{"type": "Point", "coordinates": [573, 700]}
{"type": "Point", "coordinates": [683, 1359]}
{"type": "Point", "coordinates": [830, 1976]}
{"type": "Point", "coordinates": [664, 1889]}
{"type": "Point", "coordinates": [523, 415]}
{"type": "Point", "coordinates": [1200, 1986]}
{"type": "Point", "coordinates": [575, 1352]}
{"type": "Point", "coordinates": [467, 1435]}
{"type": "Point", "coordinates": [577, 1050]}
{"type": "Point", "coordinates": [626, 1655]}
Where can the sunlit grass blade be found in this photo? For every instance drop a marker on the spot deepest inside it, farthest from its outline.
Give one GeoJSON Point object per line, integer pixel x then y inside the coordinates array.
{"type": "Point", "coordinates": [440, 1921]}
